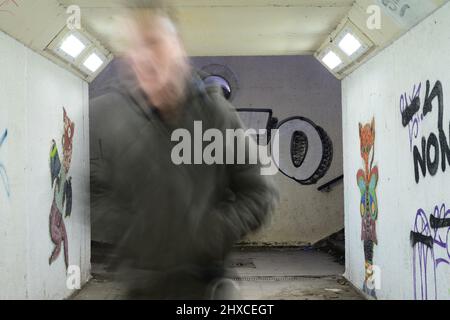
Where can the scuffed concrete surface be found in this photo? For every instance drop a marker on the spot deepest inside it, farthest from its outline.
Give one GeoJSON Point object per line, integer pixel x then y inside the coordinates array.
{"type": "Point", "coordinates": [262, 273]}
{"type": "Point", "coordinates": [290, 274]}
{"type": "Point", "coordinates": [306, 288]}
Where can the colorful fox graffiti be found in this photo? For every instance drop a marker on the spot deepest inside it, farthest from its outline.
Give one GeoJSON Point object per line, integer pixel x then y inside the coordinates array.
{"type": "Point", "coordinates": [367, 179]}
{"type": "Point", "coordinates": [62, 188]}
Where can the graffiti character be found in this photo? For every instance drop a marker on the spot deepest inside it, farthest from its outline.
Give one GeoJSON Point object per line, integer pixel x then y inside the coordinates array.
{"type": "Point", "coordinates": [367, 179]}
{"type": "Point", "coordinates": [62, 190]}
{"type": "Point", "coordinates": [67, 141]}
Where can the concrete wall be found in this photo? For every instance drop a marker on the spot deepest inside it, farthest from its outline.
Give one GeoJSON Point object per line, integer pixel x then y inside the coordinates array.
{"type": "Point", "coordinates": [411, 257]}
{"type": "Point", "coordinates": [33, 92]}
{"type": "Point", "coordinates": [294, 86]}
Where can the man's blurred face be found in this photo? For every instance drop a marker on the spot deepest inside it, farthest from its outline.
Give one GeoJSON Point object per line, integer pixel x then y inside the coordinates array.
{"type": "Point", "coordinates": [157, 57]}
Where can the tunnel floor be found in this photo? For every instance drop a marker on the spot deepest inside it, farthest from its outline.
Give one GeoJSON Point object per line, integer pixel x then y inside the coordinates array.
{"type": "Point", "coordinates": [269, 273]}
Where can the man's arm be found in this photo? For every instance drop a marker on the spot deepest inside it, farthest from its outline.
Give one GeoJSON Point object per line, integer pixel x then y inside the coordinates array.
{"type": "Point", "coordinates": [105, 217]}
{"type": "Point", "coordinates": [253, 195]}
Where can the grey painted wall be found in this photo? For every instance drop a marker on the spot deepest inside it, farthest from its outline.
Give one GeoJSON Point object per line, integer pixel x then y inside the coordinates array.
{"type": "Point", "coordinates": [294, 86]}
{"type": "Point", "coordinates": [290, 86]}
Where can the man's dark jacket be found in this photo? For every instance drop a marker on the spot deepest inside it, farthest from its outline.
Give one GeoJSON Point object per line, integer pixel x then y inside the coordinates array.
{"type": "Point", "coordinates": [162, 216]}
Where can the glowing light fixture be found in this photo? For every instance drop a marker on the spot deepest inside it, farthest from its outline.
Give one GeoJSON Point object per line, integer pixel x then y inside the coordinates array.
{"type": "Point", "coordinates": [79, 52]}
{"type": "Point", "coordinates": [93, 62]}
{"type": "Point", "coordinates": [331, 60]}
{"type": "Point", "coordinates": [72, 46]}
{"type": "Point", "coordinates": [349, 44]}
{"type": "Point", "coordinates": [346, 48]}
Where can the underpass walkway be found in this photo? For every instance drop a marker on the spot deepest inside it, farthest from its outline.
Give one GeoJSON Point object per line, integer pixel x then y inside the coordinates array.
{"type": "Point", "coordinates": [263, 273]}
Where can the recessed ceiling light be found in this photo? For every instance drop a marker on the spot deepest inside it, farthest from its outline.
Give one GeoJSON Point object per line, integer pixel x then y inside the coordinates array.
{"type": "Point", "coordinates": [349, 44]}
{"type": "Point", "coordinates": [72, 46]}
{"type": "Point", "coordinates": [331, 60]}
{"type": "Point", "coordinates": [93, 62]}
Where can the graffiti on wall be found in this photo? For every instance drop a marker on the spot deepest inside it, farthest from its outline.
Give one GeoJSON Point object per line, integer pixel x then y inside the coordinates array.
{"type": "Point", "coordinates": [367, 179]}
{"type": "Point", "coordinates": [398, 7]}
{"type": "Point", "coordinates": [5, 5]}
{"type": "Point", "coordinates": [415, 120]}
{"type": "Point", "coordinates": [433, 151]}
{"type": "Point", "coordinates": [305, 149]}
{"type": "Point", "coordinates": [430, 155]}
{"type": "Point", "coordinates": [430, 242]}
{"type": "Point", "coordinates": [407, 12]}
{"type": "Point", "coordinates": [3, 173]}
{"type": "Point", "coordinates": [61, 184]}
